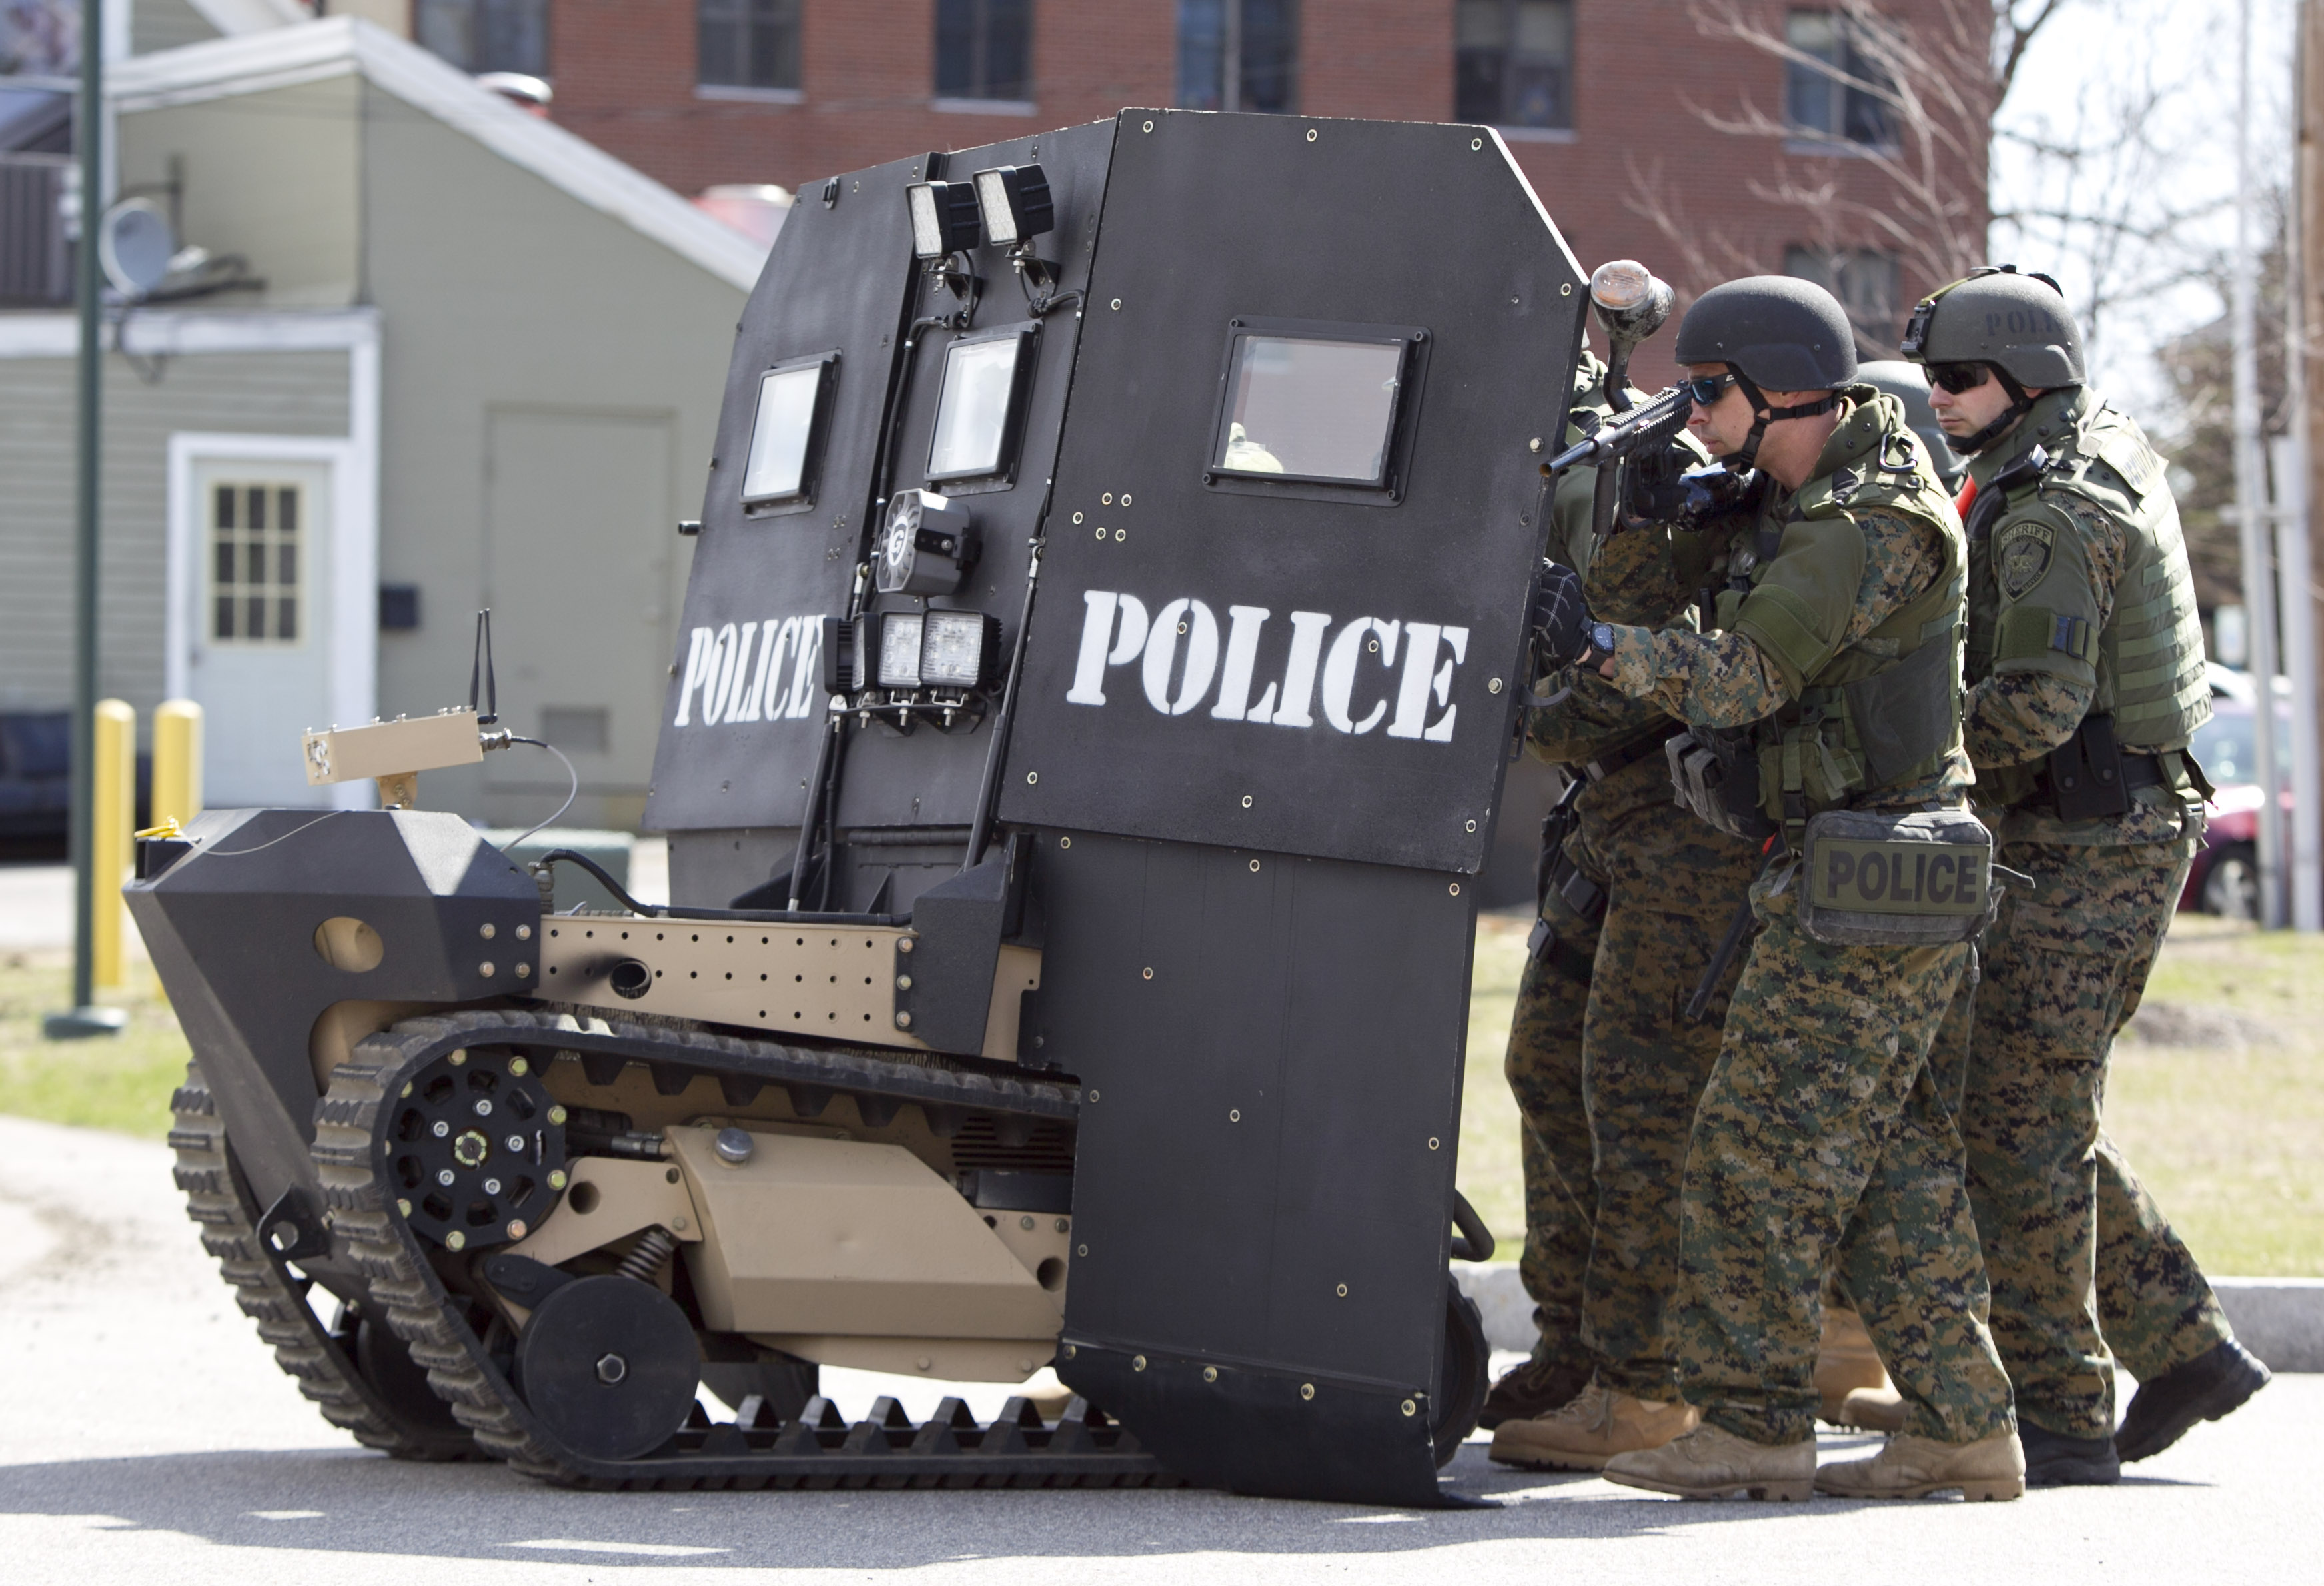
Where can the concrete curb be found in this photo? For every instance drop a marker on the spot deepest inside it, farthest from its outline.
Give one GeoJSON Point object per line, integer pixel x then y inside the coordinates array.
{"type": "Point", "coordinates": [2278, 1319]}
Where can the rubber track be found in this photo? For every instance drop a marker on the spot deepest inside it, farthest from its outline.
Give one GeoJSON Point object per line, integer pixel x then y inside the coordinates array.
{"type": "Point", "coordinates": [350, 1121]}
{"type": "Point", "coordinates": [217, 1204]}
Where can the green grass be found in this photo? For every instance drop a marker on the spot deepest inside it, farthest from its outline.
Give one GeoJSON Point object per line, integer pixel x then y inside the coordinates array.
{"type": "Point", "coordinates": [118, 1082]}
{"type": "Point", "coordinates": [2224, 1121]}
{"type": "Point", "coordinates": [2225, 1124]}
{"type": "Point", "coordinates": [2227, 1131]}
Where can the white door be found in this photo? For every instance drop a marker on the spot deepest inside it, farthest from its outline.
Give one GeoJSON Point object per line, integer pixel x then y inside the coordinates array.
{"type": "Point", "coordinates": [260, 656]}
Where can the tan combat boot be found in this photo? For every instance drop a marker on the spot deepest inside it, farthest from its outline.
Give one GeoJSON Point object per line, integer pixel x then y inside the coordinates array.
{"type": "Point", "coordinates": [1991, 1468]}
{"type": "Point", "coordinates": [1850, 1382]}
{"type": "Point", "coordinates": [1593, 1428]}
{"type": "Point", "coordinates": [1711, 1461]}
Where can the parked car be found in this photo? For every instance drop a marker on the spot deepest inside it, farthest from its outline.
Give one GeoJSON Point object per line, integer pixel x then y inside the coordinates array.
{"type": "Point", "coordinates": [2225, 879]}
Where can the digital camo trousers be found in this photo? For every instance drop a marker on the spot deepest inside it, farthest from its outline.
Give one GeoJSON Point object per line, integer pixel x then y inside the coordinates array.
{"type": "Point", "coordinates": [1674, 883]}
{"type": "Point", "coordinates": [1606, 1069]}
{"type": "Point", "coordinates": [2084, 1268]}
{"type": "Point", "coordinates": [1544, 1066]}
{"type": "Point", "coordinates": [1821, 1141]}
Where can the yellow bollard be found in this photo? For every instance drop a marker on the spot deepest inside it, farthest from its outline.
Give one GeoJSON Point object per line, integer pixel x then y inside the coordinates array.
{"type": "Point", "coordinates": [177, 762]}
{"type": "Point", "coordinates": [109, 852]}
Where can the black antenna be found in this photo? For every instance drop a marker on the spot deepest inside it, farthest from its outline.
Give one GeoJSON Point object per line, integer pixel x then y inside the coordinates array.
{"type": "Point", "coordinates": [481, 670]}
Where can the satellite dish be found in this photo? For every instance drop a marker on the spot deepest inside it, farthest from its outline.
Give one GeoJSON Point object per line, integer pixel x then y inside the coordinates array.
{"type": "Point", "coordinates": [134, 246]}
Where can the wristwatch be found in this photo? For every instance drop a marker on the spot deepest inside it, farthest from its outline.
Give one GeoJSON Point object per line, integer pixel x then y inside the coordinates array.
{"type": "Point", "coordinates": [1602, 638]}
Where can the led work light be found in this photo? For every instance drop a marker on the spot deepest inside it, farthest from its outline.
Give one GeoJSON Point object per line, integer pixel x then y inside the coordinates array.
{"type": "Point", "coordinates": [944, 217]}
{"type": "Point", "coordinates": [1015, 200]}
{"type": "Point", "coordinates": [938, 650]}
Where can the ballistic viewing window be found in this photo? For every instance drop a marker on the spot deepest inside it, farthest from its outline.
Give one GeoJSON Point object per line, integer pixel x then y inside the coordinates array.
{"type": "Point", "coordinates": [254, 562]}
{"type": "Point", "coordinates": [984, 49]}
{"type": "Point", "coordinates": [1239, 55]}
{"type": "Point", "coordinates": [977, 408]}
{"type": "Point", "coordinates": [1311, 409]}
{"type": "Point", "coordinates": [747, 43]}
{"type": "Point", "coordinates": [1840, 94]}
{"type": "Point", "coordinates": [785, 432]}
{"type": "Point", "coordinates": [1514, 62]}
{"type": "Point", "coordinates": [486, 35]}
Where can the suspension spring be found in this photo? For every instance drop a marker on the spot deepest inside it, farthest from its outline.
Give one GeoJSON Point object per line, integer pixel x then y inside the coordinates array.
{"type": "Point", "coordinates": [647, 1256]}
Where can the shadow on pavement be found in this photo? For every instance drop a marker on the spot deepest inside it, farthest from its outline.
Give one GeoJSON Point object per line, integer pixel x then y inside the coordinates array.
{"type": "Point", "coordinates": [353, 1502]}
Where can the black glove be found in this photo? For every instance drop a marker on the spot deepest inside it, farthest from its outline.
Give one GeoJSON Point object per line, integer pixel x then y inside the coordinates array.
{"type": "Point", "coordinates": [1561, 619]}
{"type": "Point", "coordinates": [1652, 489]}
{"type": "Point", "coordinates": [1715, 492]}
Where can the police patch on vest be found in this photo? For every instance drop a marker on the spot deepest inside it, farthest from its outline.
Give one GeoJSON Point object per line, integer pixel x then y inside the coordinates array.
{"type": "Point", "coordinates": [1874, 879]}
{"type": "Point", "coordinates": [2023, 556]}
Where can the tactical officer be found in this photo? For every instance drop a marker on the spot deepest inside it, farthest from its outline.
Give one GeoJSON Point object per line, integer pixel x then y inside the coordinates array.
{"type": "Point", "coordinates": [1826, 710]}
{"type": "Point", "coordinates": [2086, 678]}
{"type": "Point", "coordinates": [1634, 896]}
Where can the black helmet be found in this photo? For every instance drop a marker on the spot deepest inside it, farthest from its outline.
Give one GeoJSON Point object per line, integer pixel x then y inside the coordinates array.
{"type": "Point", "coordinates": [1778, 331]}
{"type": "Point", "coordinates": [1772, 331]}
{"type": "Point", "coordinates": [2019, 324]}
{"type": "Point", "coordinates": [2016, 325]}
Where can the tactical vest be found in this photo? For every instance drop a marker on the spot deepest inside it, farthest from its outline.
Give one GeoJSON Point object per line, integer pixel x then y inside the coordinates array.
{"type": "Point", "coordinates": [1883, 713]}
{"type": "Point", "coordinates": [2149, 660]}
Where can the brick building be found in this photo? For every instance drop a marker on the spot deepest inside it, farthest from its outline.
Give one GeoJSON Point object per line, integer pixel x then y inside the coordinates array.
{"type": "Point", "coordinates": [1609, 105]}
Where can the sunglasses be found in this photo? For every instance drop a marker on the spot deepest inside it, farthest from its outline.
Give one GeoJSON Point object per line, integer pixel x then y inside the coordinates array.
{"type": "Point", "coordinates": [1958, 378]}
{"type": "Point", "coordinates": [1703, 390]}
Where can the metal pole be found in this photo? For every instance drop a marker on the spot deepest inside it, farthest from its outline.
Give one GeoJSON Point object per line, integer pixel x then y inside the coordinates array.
{"type": "Point", "coordinates": [2252, 526]}
{"type": "Point", "coordinates": [84, 1017]}
{"type": "Point", "coordinates": [2290, 460]}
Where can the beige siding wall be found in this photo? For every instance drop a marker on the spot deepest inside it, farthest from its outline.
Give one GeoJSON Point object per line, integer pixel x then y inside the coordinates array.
{"type": "Point", "coordinates": [262, 393]}
{"type": "Point", "coordinates": [275, 177]}
{"type": "Point", "coordinates": [508, 304]}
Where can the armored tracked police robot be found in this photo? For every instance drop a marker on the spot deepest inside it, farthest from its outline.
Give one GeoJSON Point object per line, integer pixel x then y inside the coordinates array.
{"type": "Point", "coordinates": [1104, 646]}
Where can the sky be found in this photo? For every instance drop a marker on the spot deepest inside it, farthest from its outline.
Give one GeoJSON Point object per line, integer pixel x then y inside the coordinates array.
{"type": "Point", "coordinates": [2150, 86]}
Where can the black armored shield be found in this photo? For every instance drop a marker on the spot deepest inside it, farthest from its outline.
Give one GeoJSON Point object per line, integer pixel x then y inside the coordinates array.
{"type": "Point", "coordinates": [1265, 406]}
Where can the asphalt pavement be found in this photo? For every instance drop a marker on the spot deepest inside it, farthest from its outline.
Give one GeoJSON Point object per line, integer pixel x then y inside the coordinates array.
{"type": "Point", "coordinates": [145, 1435]}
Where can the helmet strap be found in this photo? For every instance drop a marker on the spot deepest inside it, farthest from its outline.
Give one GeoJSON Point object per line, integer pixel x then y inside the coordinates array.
{"type": "Point", "coordinates": [2020, 404]}
{"type": "Point", "coordinates": [1746, 456]}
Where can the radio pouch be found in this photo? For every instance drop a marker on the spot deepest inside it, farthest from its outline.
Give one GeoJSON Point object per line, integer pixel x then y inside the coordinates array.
{"type": "Point", "coordinates": [1896, 880]}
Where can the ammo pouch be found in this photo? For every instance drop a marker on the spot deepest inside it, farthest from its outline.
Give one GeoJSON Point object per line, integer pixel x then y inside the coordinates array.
{"type": "Point", "coordinates": [1896, 880]}
{"type": "Point", "coordinates": [1715, 776]}
{"type": "Point", "coordinates": [2089, 777]}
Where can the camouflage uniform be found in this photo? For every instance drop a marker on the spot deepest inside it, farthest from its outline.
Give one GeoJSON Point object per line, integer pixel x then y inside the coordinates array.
{"type": "Point", "coordinates": [1821, 1139]}
{"type": "Point", "coordinates": [2088, 550]}
{"type": "Point", "coordinates": [1605, 1070]}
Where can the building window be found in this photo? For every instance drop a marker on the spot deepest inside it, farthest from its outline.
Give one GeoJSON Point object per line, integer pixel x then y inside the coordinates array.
{"type": "Point", "coordinates": [1514, 62]}
{"type": "Point", "coordinates": [254, 562]}
{"type": "Point", "coordinates": [486, 35]}
{"type": "Point", "coordinates": [1865, 282]}
{"type": "Point", "coordinates": [1836, 93]}
{"type": "Point", "coordinates": [985, 49]}
{"type": "Point", "coordinates": [1239, 55]}
{"type": "Point", "coordinates": [747, 43]}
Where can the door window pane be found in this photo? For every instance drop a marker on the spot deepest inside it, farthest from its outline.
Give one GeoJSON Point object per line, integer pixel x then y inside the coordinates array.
{"type": "Point", "coordinates": [255, 595]}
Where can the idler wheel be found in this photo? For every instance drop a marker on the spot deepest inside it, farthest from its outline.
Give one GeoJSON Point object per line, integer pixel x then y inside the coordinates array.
{"type": "Point", "coordinates": [609, 1364]}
